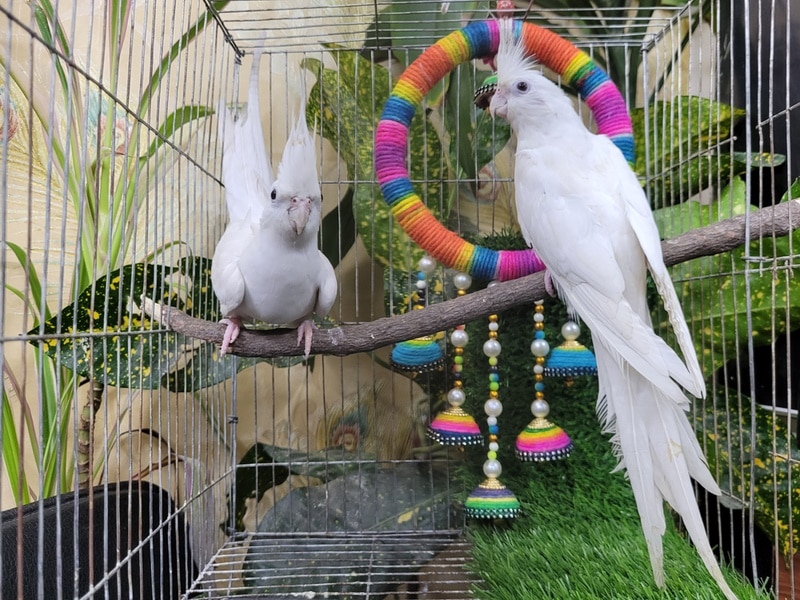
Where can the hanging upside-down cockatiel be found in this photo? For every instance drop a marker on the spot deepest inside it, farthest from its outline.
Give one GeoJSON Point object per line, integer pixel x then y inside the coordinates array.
{"type": "Point", "coordinates": [583, 211]}
{"type": "Point", "coordinates": [267, 265]}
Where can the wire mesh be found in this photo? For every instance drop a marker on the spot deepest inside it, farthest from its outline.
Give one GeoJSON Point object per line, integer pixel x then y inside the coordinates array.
{"type": "Point", "coordinates": [283, 478]}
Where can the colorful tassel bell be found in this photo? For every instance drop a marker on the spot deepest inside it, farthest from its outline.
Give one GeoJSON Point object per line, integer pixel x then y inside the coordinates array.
{"type": "Point", "coordinates": [423, 354]}
{"type": "Point", "coordinates": [419, 355]}
{"type": "Point", "coordinates": [542, 441]}
{"type": "Point", "coordinates": [571, 358]}
{"type": "Point", "coordinates": [492, 500]}
{"type": "Point", "coordinates": [455, 427]}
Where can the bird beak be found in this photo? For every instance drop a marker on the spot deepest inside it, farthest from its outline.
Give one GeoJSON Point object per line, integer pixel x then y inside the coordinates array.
{"type": "Point", "coordinates": [299, 212]}
{"type": "Point", "coordinates": [498, 107]}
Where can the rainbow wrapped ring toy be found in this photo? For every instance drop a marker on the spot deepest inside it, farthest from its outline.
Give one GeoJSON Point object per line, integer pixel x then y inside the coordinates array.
{"type": "Point", "coordinates": [478, 40]}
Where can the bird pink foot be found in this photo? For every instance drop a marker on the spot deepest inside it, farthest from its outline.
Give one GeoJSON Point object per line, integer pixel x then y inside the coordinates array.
{"type": "Point", "coordinates": [304, 333]}
{"type": "Point", "coordinates": [234, 326]}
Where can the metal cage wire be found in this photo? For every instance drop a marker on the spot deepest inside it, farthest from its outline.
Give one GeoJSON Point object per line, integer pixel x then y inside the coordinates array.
{"type": "Point", "coordinates": [109, 158]}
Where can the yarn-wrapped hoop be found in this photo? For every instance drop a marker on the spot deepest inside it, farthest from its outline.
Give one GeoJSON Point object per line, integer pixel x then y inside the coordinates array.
{"type": "Point", "coordinates": [477, 40]}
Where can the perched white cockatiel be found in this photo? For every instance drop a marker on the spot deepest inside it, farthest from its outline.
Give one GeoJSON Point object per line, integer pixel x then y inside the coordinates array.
{"type": "Point", "coordinates": [581, 208]}
{"type": "Point", "coordinates": [267, 265]}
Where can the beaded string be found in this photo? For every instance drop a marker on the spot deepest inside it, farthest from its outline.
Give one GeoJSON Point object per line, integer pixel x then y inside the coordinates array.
{"type": "Point", "coordinates": [480, 39]}
{"type": "Point", "coordinates": [491, 499]}
{"type": "Point", "coordinates": [493, 406]}
{"type": "Point", "coordinates": [454, 426]}
{"type": "Point", "coordinates": [541, 440]}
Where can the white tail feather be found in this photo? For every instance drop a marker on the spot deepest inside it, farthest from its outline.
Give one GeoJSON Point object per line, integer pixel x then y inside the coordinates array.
{"type": "Point", "coordinates": [660, 454]}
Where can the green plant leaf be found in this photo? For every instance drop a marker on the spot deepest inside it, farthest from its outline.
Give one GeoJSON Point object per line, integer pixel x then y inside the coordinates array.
{"type": "Point", "coordinates": [771, 451]}
{"type": "Point", "coordinates": [793, 191]}
{"type": "Point", "coordinates": [717, 287]}
{"type": "Point", "coordinates": [163, 68]}
{"type": "Point", "coordinates": [174, 121]}
{"type": "Point", "coordinates": [680, 164]}
{"type": "Point", "coordinates": [34, 284]}
{"type": "Point", "coordinates": [347, 102]}
{"type": "Point", "coordinates": [256, 473]}
{"type": "Point", "coordinates": [11, 458]}
{"type": "Point", "coordinates": [199, 298]}
{"type": "Point", "coordinates": [205, 367]}
{"type": "Point", "coordinates": [105, 337]}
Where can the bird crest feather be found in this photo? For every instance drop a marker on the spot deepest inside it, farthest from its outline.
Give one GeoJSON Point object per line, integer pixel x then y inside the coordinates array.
{"type": "Point", "coordinates": [512, 59]}
{"type": "Point", "coordinates": [298, 168]}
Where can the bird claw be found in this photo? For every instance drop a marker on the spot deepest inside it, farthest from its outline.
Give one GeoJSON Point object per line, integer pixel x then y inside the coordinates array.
{"type": "Point", "coordinates": [234, 326]}
{"type": "Point", "coordinates": [304, 333]}
{"type": "Point", "coordinates": [548, 284]}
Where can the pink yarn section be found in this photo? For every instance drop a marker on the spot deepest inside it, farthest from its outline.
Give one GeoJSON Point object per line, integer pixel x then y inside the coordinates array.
{"type": "Point", "coordinates": [514, 264]}
{"type": "Point", "coordinates": [390, 151]}
{"type": "Point", "coordinates": [605, 105]}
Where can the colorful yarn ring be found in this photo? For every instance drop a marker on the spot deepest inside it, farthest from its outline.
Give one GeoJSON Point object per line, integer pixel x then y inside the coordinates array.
{"type": "Point", "coordinates": [477, 40]}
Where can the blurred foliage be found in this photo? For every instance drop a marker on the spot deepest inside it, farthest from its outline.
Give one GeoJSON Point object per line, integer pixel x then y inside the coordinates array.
{"type": "Point", "coordinates": [690, 158]}
{"type": "Point", "coordinates": [347, 103]}
{"type": "Point", "coordinates": [734, 449]}
{"type": "Point", "coordinates": [714, 289]}
{"type": "Point", "coordinates": [106, 336]}
{"type": "Point", "coordinates": [106, 190]}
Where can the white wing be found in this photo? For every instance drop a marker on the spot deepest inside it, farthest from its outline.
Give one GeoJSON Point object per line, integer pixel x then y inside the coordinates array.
{"type": "Point", "coordinates": [226, 277]}
{"type": "Point", "coordinates": [328, 287]}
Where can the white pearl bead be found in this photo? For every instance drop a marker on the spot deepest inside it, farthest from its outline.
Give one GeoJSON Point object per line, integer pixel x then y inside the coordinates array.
{"type": "Point", "coordinates": [494, 446]}
{"type": "Point", "coordinates": [459, 338]}
{"type": "Point", "coordinates": [462, 281]}
{"type": "Point", "coordinates": [538, 317]}
{"type": "Point", "coordinates": [538, 369]}
{"type": "Point", "coordinates": [421, 284]}
{"type": "Point", "coordinates": [426, 264]}
{"type": "Point", "coordinates": [456, 396]}
{"type": "Point", "coordinates": [491, 348]}
{"type": "Point", "coordinates": [492, 283]}
{"type": "Point", "coordinates": [492, 468]}
{"type": "Point", "coordinates": [540, 408]}
{"type": "Point", "coordinates": [491, 420]}
{"type": "Point", "coordinates": [540, 347]}
{"type": "Point", "coordinates": [493, 407]}
{"type": "Point", "coordinates": [571, 330]}
{"type": "Point", "coordinates": [494, 326]}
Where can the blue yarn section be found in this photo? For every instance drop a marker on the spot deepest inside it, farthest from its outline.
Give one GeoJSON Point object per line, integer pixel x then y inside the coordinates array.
{"type": "Point", "coordinates": [477, 34]}
{"type": "Point", "coordinates": [411, 355]}
{"type": "Point", "coordinates": [484, 263]}
{"type": "Point", "coordinates": [571, 359]}
{"type": "Point", "coordinates": [398, 109]}
{"type": "Point", "coordinates": [517, 29]}
{"type": "Point", "coordinates": [589, 83]}
{"type": "Point", "coordinates": [626, 146]}
{"type": "Point", "coordinates": [396, 189]}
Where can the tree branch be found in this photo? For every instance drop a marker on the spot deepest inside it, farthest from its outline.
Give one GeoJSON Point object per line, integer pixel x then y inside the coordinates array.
{"type": "Point", "coordinates": [713, 239]}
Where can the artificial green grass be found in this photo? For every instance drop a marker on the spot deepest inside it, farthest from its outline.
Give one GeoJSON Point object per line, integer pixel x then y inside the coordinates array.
{"type": "Point", "coordinates": [579, 536]}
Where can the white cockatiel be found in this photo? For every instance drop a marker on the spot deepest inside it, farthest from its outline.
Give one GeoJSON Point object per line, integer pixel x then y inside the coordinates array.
{"type": "Point", "coordinates": [267, 265]}
{"type": "Point", "coordinates": [581, 208]}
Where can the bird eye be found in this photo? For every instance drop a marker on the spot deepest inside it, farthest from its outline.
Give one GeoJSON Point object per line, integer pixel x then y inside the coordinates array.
{"type": "Point", "coordinates": [273, 195]}
{"type": "Point", "coordinates": [522, 86]}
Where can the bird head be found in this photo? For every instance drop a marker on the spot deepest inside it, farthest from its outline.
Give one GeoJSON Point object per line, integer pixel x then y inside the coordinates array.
{"type": "Point", "coordinates": [296, 192]}
{"type": "Point", "coordinates": [524, 96]}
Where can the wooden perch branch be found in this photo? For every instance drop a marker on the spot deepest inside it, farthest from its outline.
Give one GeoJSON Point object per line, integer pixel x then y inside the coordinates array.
{"type": "Point", "coordinates": [713, 239]}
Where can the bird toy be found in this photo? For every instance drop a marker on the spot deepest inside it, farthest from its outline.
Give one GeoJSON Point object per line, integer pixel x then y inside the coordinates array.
{"type": "Point", "coordinates": [643, 382]}
{"type": "Point", "coordinates": [477, 40]}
